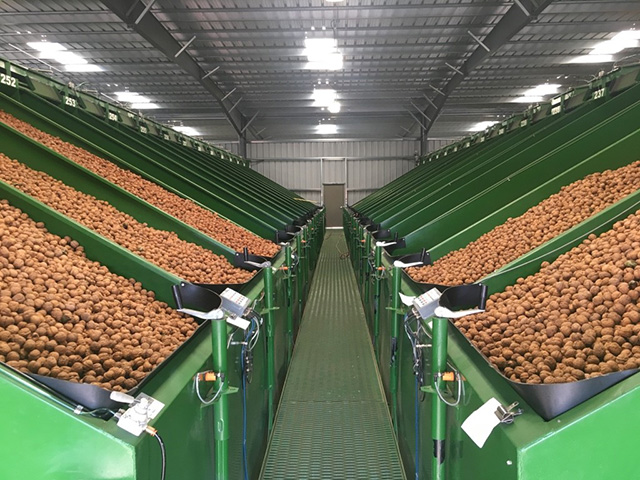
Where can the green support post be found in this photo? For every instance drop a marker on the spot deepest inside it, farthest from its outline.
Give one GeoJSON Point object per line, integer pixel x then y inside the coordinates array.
{"type": "Point", "coordinates": [220, 407]}
{"type": "Point", "coordinates": [376, 301]}
{"type": "Point", "coordinates": [438, 407]}
{"type": "Point", "coordinates": [300, 281]}
{"type": "Point", "coordinates": [353, 238]}
{"type": "Point", "coordinates": [367, 283]}
{"type": "Point", "coordinates": [361, 251]}
{"type": "Point", "coordinates": [289, 286]}
{"type": "Point", "coordinates": [395, 335]}
{"type": "Point", "coordinates": [304, 261]}
{"type": "Point", "coordinates": [269, 328]}
{"type": "Point", "coordinates": [311, 244]}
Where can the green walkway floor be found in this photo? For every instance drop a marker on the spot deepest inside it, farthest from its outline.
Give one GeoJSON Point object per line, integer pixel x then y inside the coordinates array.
{"type": "Point", "coordinates": [333, 421]}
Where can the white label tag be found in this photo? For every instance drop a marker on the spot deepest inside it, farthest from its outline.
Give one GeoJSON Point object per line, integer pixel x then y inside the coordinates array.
{"type": "Point", "coordinates": [481, 423]}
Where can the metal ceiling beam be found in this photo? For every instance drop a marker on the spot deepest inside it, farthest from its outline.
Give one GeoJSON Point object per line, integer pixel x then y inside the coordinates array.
{"type": "Point", "coordinates": [155, 33]}
{"type": "Point", "coordinates": [251, 34]}
{"type": "Point", "coordinates": [512, 22]}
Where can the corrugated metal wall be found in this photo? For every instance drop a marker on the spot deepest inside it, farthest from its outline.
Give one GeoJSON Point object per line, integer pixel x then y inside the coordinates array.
{"type": "Point", "coordinates": [304, 166]}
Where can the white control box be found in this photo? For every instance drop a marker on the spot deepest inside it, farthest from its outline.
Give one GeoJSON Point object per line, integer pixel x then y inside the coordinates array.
{"type": "Point", "coordinates": [426, 303]}
{"type": "Point", "coordinates": [234, 302]}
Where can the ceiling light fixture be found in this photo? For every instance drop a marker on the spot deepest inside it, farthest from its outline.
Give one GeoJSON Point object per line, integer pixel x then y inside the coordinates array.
{"type": "Point", "coordinates": [144, 106]}
{"type": "Point", "coordinates": [83, 68]}
{"type": "Point", "coordinates": [324, 97]}
{"type": "Point", "coordinates": [537, 94]}
{"type": "Point", "coordinates": [59, 53]}
{"type": "Point", "coordinates": [127, 96]}
{"type": "Point", "coordinates": [186, 130]}
{"type": "Point", "coordinates": [322, 54]}
{"type": "Point", "coordinates": [480, 126]}
{"type": "Point", "coordinates": [622, 40]}
{"type": "Point", "coordinates": [592, 59]}
{"type": "Point", "coordinates": [603, 52]}
{"type": "Point", "coordinates": [326, 129]}
{"type": "Point", "coordinates": [46, 46]}
{"type": "Point", "coordinates": [63, 57]}
{"type": "Point", "coordinates": [528, 99]}
{"type": "Point", "coordinates": [334, 107]}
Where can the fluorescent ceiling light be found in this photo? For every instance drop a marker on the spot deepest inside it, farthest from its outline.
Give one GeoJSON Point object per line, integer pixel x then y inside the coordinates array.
{"type": "Point", "coordinates": [528, 99]}
{"type": "Point", "coordinates": [64, 57]}
{"type": "Point", "coordinates": [186, 130]}
{"type": "Point", "coordinates": [624, 39]}
{"type": "Point", "coordinates": [334, 107]}
{"type": "Point", "coordinates": [326, 129]}
{"type": "Point", "coordinates": [536, 94]}
{"type": "Point", "coordinates": [315, 46]}
{"type": "Point", "coordinates": [592, 59]}
{"type": "Point", "coordinates": [144, 106]}
{"type": "Point", "coordinates": [323, 97]}
{"type": "Point", "coordinates": [83, 68]}
{"type": "Point", "coordinates": [542, 90]}
{"type": "Point", "coordinates": [329, 62]}
{"type": "Point", "coordinates": [322, 54]}
{"type": "Point", "coordinates": [132, 97]}
{"type": "Point", "coordinates": [480, 126]}
{"type": "Point", "coordinates": [46, 46]}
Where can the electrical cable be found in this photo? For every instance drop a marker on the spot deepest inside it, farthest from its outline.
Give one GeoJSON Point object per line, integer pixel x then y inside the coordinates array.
{"type": "Point", "coordinates": [250, 340]}
{"type": "Point", "coordinates": [343, 255]}
{"type": "Point", "coordinates": [417, 428]}
{"type": "Point", "coordinates": [214, 398]}
{"type": "Point", "coordinates": [163, 454]}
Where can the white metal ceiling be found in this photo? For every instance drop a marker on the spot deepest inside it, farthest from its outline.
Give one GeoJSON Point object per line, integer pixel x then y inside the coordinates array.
{"type": "Point", "coordinates": [393, 49]}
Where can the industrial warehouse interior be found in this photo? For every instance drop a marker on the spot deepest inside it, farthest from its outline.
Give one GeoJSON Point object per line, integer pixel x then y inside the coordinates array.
{"type": "Point", "coordinates": [319, 239]}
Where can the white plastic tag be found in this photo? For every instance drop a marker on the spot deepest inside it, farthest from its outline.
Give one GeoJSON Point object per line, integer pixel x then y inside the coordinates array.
{"type": "Point", "coordinates": [481, 423]}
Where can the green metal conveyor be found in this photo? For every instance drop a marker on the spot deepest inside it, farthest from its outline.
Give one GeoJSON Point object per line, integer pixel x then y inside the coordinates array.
{"type": "Point", "coordinates": [333, 421]}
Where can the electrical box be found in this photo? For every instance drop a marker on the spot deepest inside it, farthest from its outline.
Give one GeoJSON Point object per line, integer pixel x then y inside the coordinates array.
{"type": "Point", "coordinates": [426, 303]}
{"type": "Point", "coordinates": [234, 303]}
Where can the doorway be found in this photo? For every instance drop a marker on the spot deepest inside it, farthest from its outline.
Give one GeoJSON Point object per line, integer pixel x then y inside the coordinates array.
{"type": "Point", "coordinates": [333, 195]}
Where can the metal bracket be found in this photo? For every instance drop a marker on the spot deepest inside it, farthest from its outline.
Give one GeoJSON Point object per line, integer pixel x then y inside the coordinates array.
{"type": "Point", "coordinates": [507, 414]}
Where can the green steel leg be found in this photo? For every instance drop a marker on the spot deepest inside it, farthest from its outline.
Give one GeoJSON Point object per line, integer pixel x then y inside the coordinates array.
{"type": "Point", "coordinates": [376, 302]}
{"type": "Point", "coordinates": [300, 274]}
{"type": "Point", "coordinates": [269, 326]}
{"type": "Point", "coordinates": [220, 407]}
{"type": "Point", "coordinates": [439, 408]}
{"type": "Point", "coordinates": [305, 262]}
{"type": "Point", "coordinates": [367, 283]}
{"type": "Point", "coordinates": [289, 286]}
{"type": "Point", "coordinates": [395, 334]}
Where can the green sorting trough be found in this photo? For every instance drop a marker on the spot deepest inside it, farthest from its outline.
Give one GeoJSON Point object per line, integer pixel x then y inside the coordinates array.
{"type": "Point", "coordinates": [447, 203]}
{"type": "Point", "coordinates": [84, 446]}
{"type": "Point", "coordinates": [251, 207]}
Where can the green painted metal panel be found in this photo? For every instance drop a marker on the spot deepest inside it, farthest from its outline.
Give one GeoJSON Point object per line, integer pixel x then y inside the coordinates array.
{"type": "Point", "coordinates": [34, 429]}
